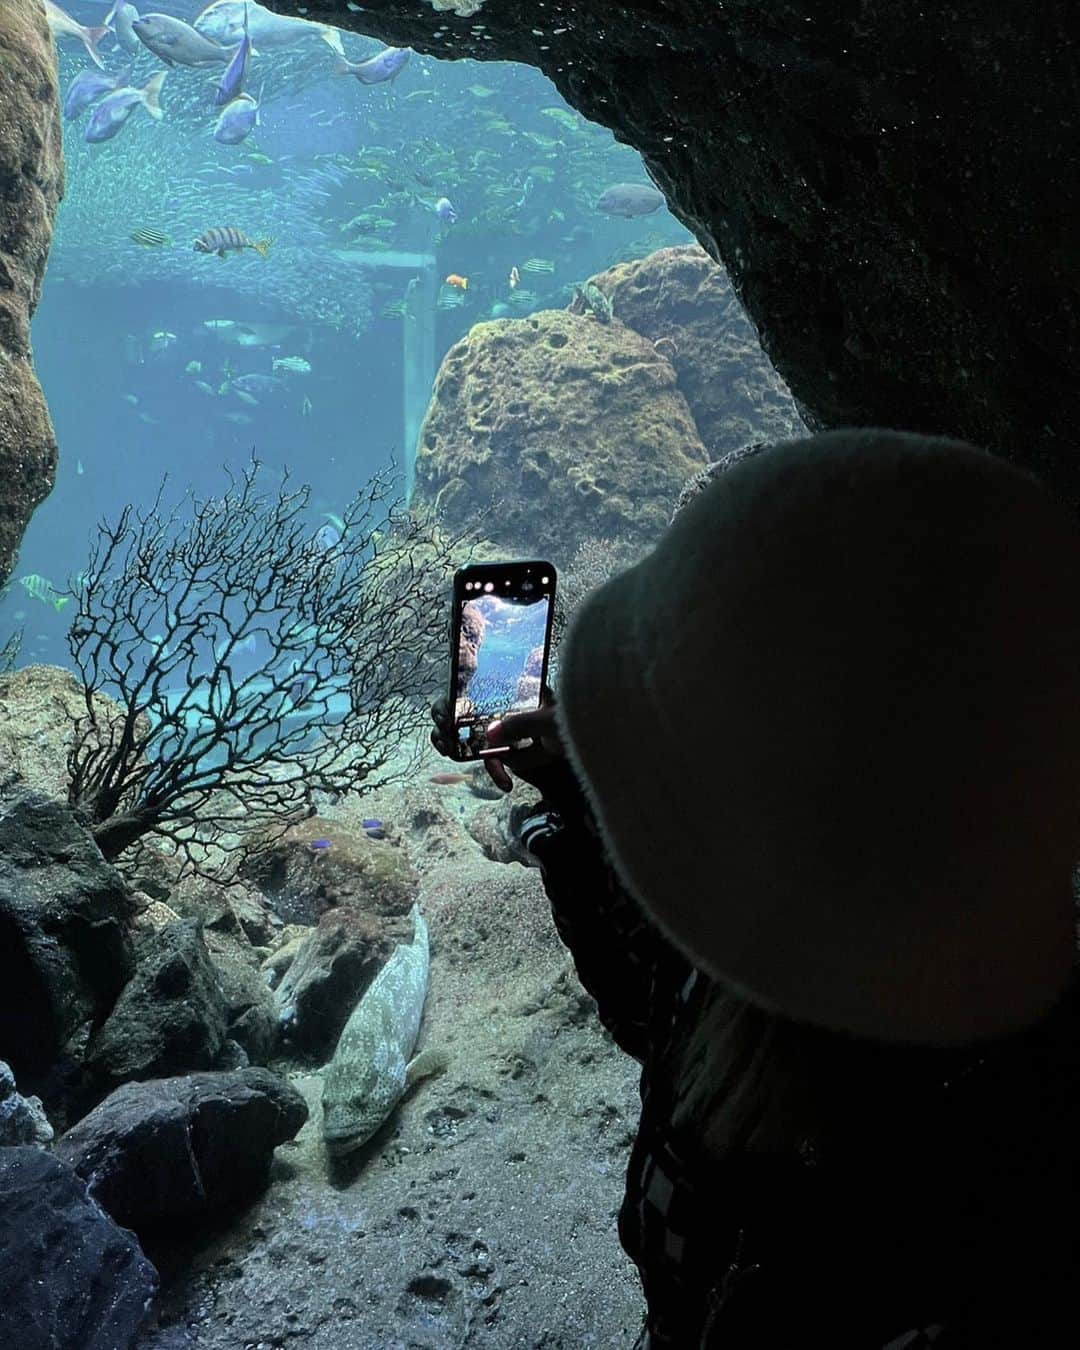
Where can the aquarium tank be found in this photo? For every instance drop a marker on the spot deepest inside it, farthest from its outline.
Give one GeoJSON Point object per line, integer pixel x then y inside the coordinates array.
{"type": "Point", "coordinates": [323, 322]}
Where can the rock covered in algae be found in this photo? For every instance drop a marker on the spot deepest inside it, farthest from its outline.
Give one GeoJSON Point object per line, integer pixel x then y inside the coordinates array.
{"type": "Point", "coordinates": [31, 185]}
{"type": "Point", "coordinates": [567, 427]}
{"type": "Point", "coordinates": [685, 305]}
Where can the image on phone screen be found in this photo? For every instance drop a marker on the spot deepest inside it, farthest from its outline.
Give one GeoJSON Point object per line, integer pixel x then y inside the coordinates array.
{"type": "Point", "coordinates": [503, 632]}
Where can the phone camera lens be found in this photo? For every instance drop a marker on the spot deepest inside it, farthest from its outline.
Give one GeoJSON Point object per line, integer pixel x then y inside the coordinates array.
{"type": "Point", "coordinates": [527, 586]}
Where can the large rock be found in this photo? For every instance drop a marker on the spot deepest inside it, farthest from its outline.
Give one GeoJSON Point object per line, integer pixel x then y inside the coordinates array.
{"type": "Point", "coordinates": [320, 864]}
{"type": "Point", "coordinates": [22, 1119]}
{"type": "Point", "coordinates": [175, 1148]}
{"type": "Point", "coordinates": [65, 951]}
{"type": "Point", "coordinates": [894, 192]}
{"type": "Point", "coordinates": [329, 971]}
{"type": "Point", "coordinates": [683, 302]}
{"type": "Point", "coordinates": [561, 414]}
{"type": "Point", "coordinates": [250, 1016]}
{"type": "Point", "coordinates": [171, 1016]}
{"type": "Point", "coordinates": [73, 1280]}
{"type": "Point", "coordinates": [31, 185]}
{"type": "Point", "coordinates": [39, 709]}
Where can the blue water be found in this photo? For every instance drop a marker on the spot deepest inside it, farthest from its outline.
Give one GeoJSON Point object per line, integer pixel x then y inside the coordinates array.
{"type": "Point", "coordinates": [523, 173]}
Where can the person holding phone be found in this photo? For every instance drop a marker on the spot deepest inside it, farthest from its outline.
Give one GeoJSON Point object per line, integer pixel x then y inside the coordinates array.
{"type": "Point", "coordinates": [809, 822]}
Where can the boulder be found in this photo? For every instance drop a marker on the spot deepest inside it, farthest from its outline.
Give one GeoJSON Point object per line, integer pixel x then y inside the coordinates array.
{"type": "Point", "coordinates": [251, 1018]}
{"type": "Point", "coordinates": [171, 1015]}
{"type": "Point", "coordinates": [559, 409]}
{"type": "Point", "coordinates": [22, 1119]}
{"type": "Point", "coordinates": [39, 709]}
{"type": "Point", "coordinates": [322, 864]}
{"type": "Point", "coordinates": [65, 949]}
{"type": "Point", "coordinates": [683, 302]}
{"type": "Point", "coordinates": [73, 1279]}
{"type": "Point", "coordinates": [237, 909]}
{"type": "Point", "coordinates": [31, 185]}
{"type": "Point", "coordinates": [328, 973]}
{"type": "Point", "coordinates": [177, 1148]}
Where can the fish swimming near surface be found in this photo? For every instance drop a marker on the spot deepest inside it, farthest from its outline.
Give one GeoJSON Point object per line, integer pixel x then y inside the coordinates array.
{"type": "Point", "coordinates": [630, 199]}
{"type": "Point", "coordinates": [295, 365]}
{"type": "Point", "coordinates": [462, 283]}
{"type": "Point", "coordinates": [373, 1065]}
{"type": "Point", "coordinates": [177, 43]}
{"type": "Point", "coordinates": [62, 25]}
{"type": "Point", "coordinates": [238, 119]}
{"type": "Point", "coordinates": [119, 19]}
{"type": "Point", "coordinates": [223, 239]}
{"type": "Point", "coordinates": [382, 68]}
{"type": "Point", "coordinates": [41, 589]}
{"type": "Point", "coordinates": [223, 21]}
{"type": "Point", "coordinates": [115, 109]}
{"type": "Point", "coordinates": [87, 87]}
{"type": "Point", "coordinates": [232, 82]}
{"type": "Point", "coordinates": [150, 238]}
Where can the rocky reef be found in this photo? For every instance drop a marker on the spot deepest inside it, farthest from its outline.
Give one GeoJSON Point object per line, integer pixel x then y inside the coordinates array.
{"type": "Point", "coordinates": [560, 414]}
{"type": "Point", "coordinates": [893, 196]}
{"type": "Point", "coordinates": [684, 303]}
{"type": "Point", "coordinates": [31, 185]}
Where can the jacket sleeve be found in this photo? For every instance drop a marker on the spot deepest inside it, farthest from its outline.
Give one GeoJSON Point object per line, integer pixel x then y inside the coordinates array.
{"type": "Point", "coordinates": [618, 952]}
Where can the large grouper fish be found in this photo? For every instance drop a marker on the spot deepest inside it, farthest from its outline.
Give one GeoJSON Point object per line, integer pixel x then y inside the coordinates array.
{"type": "Point", "coordinates": [371, 1069]}
{"type": "Point", "coordinates": [223, 21]}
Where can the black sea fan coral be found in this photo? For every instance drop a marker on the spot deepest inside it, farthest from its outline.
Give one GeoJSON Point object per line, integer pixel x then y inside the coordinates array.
{"type": "Point", "coordinates": [255, 660]}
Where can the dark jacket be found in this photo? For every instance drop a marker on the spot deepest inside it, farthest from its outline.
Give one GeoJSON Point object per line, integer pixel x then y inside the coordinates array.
{"type": "Point", "coordinates": [948, 1222]}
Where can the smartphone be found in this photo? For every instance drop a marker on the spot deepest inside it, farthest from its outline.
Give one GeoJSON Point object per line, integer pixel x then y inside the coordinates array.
{"type": "Point", "coordinates": [500, 643]}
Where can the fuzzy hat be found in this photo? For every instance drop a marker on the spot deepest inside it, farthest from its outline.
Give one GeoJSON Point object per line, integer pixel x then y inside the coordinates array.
{"type": "Point", "coordinates": [830, 729]}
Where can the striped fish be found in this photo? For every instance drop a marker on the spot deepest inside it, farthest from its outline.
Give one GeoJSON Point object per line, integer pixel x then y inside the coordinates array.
{"type": "Point", "coordinates": [222, 238]}
{"type": "Point", "coordinates": [538, 265]}
{"type": "Point", "coordinates": [150, 238]}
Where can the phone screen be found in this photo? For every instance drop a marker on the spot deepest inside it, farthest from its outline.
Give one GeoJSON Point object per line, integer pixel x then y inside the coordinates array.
{"type": "Point", "coordinates": [500, 645]}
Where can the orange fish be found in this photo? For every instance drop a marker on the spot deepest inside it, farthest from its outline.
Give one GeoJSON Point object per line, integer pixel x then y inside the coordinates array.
{"type": "Point", "coordinates": [449, 779]}
{"type": "Point", "coordinates": [515, 278]}
{"type": "Point", "coordinates": [462, 283]}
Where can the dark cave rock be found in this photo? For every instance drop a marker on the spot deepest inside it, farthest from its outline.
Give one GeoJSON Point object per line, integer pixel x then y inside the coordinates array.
{"type": "Point", "coordinates": [894, 193]}
{"type": "Point", "coordinates": [31, 185]}
{"type": "Point", "coordinates": [170, 1016]}
{"type": "Point", "coordinates": [65, 951]}
{"type": "Point", "coordinates": [73, 1280]}
{"type": "Point", "coordinates": [176, 1148]}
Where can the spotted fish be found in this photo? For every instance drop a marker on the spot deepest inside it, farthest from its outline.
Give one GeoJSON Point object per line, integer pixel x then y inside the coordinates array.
{"type": "Point", "coordinates": [223, 238]}
{"type": "Point", "coordinates": [372, 1068]}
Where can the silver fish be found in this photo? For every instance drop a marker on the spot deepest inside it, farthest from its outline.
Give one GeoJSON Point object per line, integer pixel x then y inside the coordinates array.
{"type": "Point", "coordinates": [223, 21]}
{"type": "Point", "coordinates": [177, 43]}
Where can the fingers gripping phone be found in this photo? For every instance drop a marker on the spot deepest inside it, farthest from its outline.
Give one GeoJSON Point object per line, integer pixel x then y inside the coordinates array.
{"type": "Point", "coordinates": [500, 642]}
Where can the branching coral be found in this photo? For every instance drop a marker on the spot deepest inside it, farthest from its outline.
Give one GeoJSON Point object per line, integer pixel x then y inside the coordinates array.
{"type": "Point", "coordinates": [254, 661]}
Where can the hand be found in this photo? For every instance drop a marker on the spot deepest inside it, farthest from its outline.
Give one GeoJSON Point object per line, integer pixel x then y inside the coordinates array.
{"type": "Point", "coordinates": [536, 762]}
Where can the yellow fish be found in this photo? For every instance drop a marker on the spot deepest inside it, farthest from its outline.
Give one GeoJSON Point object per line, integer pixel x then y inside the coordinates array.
{"type": "Point", "coordinates": [462, 283]}
{"type": "Point", "coordinates": [44, 590]}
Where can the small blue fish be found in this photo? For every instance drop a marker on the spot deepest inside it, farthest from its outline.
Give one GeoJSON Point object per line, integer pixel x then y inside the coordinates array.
{"type": "Point", "coordinates": [238, 119]}
{"type": "Point", "coordinates": [386, 66]}
{"type": "Point", "coordinates": [232, 82]}
{"type": "Point", "coordinates": [87, 87]}
{"type": "Point", "coordinates": [444, 209]}
{"type": "Point", "coordinates": [319, 845]}
{"type": "Point", "coordinates": [374, 829]}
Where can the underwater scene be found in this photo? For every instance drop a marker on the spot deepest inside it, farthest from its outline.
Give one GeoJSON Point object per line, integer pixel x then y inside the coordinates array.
{"type": "Point", "coordinates": [324, 322]}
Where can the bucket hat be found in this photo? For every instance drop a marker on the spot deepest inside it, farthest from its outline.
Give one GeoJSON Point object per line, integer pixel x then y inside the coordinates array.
{"type": "Point", "coordinates": [830, 730]}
